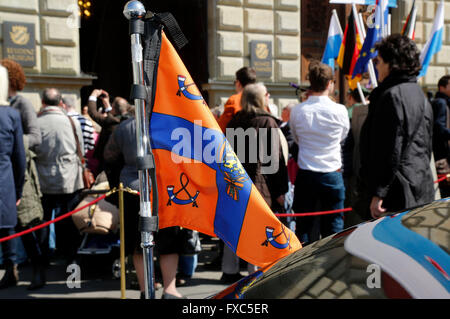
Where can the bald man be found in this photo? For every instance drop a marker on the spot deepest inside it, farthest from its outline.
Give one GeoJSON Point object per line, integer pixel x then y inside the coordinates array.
{"type": "Point", "coordinates": [60, 172]}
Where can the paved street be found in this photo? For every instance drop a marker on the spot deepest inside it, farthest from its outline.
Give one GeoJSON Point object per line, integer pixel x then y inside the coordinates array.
{"type": "Point", "coordinates": [97, 280]}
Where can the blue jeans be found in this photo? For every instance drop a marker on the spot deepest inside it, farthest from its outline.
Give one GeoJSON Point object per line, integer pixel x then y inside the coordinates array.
{"type": "Point", "coordinates": [187, 265]}
{"type": "Point", "coordinates": [318, 192]}
{"type": "Point", "coordinates": [9, 247]}
{"type": "Point", "coordinates": [67, 235]}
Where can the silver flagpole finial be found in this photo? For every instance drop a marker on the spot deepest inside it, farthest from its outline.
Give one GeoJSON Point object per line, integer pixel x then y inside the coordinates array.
{"type": "Point", "coordinates": [134, 10]}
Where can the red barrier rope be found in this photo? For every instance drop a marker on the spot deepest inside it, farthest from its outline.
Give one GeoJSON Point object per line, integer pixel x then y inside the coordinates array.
{"type": "Point", "coordinates": [57, 219]}
{"type": "Point", "coordinates": [316, 213]}
{"type": "Point", "coordinates": [442, 178]}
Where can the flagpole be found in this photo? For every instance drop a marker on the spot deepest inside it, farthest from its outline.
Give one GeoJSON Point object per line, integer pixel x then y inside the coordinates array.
{"type": "Point", "coordinates": [334, 12]}
{"type": "Point", "coordinates": [383, 27]}
{"type": "Point", "coordinates": [135, 12]}
{"type": "Point", "coordinates": [413, 23]}
{"type": "Point", "coordinates": [389, 24]}
{"type": "Point", "coordinates": [361, 94]}
{"type": "Point", "coordinates": [360, 25]}
{"type": "Point", "coordinates": [362, 33]}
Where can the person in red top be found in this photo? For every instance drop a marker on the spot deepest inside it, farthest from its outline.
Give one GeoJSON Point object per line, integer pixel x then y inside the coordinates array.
{"type": "Point", "coordinates": [244, 76]}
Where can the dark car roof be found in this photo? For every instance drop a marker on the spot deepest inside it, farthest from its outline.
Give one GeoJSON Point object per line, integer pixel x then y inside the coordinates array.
{"type": "Point", "coordinates": [409, 250]}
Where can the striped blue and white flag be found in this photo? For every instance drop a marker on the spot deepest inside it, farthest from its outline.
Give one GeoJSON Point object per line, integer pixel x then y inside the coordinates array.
{"type": "Point", "coordinates": [391, 3]}
{"type": "Point", "coordinates": [434, 42]}
{"type": "Point", "coordinates": [334, 41]}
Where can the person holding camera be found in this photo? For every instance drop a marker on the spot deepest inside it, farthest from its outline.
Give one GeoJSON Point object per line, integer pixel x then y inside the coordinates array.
{"type": "Point", "coordinates": [115, 113]}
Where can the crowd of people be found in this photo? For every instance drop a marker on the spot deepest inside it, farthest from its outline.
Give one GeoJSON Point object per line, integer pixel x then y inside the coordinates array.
{"type": "Point", "coordinates": [374, 157]}
{"type": "Point", "coordinates": [44, 157]}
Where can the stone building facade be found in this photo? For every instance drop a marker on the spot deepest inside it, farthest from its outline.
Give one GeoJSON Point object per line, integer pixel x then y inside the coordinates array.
{"type": "Point", "coordinates": [233, 25]}
{"type": "Point", "coordinates": [426, 10]}
{"type": "Point", "coordinates": [57, 57]}
{"type": "Point", "coordinates": [295, 29]}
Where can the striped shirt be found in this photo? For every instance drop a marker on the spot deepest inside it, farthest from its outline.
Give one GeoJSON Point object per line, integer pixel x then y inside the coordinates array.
{"type": "Point", "coordinates": [86, 128]}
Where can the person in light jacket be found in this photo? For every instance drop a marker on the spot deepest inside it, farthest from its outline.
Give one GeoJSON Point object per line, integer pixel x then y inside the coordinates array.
{"type": "Point", "coordinates": [60, 170]}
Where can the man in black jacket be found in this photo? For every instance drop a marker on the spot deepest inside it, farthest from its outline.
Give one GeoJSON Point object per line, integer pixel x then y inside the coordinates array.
{"type": "Point", "coordinates": [441, 129]}
{"type": "Point", "coordinates": [396, 138]}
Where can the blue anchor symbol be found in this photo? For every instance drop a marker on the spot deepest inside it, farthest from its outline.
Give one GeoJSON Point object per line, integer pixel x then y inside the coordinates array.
{"type": "Point", "coordinates": [183, 89]}
{"type": "Point", "coordinates": [173, 196]}
{"type": "Point", "coordinates": [271, 238]}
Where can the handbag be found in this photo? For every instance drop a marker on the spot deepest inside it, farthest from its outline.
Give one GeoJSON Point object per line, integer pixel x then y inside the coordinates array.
{"type": "Point", "coordinates": [100, 218]}
{"type": "Point", "coordinates": [190, 241]}
{"type": "Point", "coordinates": [88, 176]}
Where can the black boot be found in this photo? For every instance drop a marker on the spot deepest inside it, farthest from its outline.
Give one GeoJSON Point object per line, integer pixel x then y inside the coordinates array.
{"type": "Point", "coordinates": [11, 276]}
{"type": "Point", "coordinates": [39, 272]}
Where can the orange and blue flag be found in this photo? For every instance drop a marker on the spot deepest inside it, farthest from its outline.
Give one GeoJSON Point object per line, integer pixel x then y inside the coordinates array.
{"type": "Point", "coordinates": [201, 183]}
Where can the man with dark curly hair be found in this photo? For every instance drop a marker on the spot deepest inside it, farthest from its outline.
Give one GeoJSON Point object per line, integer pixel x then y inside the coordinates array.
{"type": "Point", "coordinates": [396, 137]}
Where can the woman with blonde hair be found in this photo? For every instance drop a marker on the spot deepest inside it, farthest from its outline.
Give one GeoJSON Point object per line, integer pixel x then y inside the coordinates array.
{"type": "Point", "coordinates": [261, 136]}
{"type": "Point", "coordinates": [254, 115]}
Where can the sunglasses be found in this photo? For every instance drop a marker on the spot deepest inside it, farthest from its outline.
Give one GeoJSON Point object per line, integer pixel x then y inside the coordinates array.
{"type": "Point", "coordinates": [376, 60]}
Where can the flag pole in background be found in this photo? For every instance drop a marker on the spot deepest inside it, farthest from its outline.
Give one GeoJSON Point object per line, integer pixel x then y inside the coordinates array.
{"type": "Point", "coordinates": [335, 15]}
{"type": "Point", "coordinates": [371, 69]}
{"type": "Point", "coordinates": [410, 24]}
{"type": "Point", "coordinates": [389, 24]}
{"type": "Point", "coordinates": [135, 12]}
{"type": "Point", "coordinates": [349, 50]}
{"type": "Point", "coordinates": [434, 42]}
{"type": "Point", "coordinates": [334, 41]}
{"type": "Point", "coordinates": [367, 51]}
{"type": "Point", "coordinates": [362, 34]}
{"type": "Point", "coordinates": [384, 29]}
{"type": "Point", "coordinates": [361, 94]}
{"type": "Point", "coordinates": [359, 25]}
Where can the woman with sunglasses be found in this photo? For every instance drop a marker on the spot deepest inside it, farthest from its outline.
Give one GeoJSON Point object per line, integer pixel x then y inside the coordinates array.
{"type": "Point", "coordinates": [395, 139]}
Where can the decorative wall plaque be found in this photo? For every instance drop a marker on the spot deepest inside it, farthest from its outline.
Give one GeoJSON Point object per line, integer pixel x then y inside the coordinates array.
{"type": "Point", "coordinates": [19, 43]}
{"type": "Point", "coordinates": [261, 58]}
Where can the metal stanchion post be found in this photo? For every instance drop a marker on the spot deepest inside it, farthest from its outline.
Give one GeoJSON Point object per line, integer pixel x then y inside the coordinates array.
{"type": "Point", "coordinates": [135, 12]}
{"type": "Point", "coordinates": [122, 244]}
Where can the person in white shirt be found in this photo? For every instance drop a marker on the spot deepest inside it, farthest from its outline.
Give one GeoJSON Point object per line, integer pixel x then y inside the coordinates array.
{"type": "Point", "coordinates": [319, 125]}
